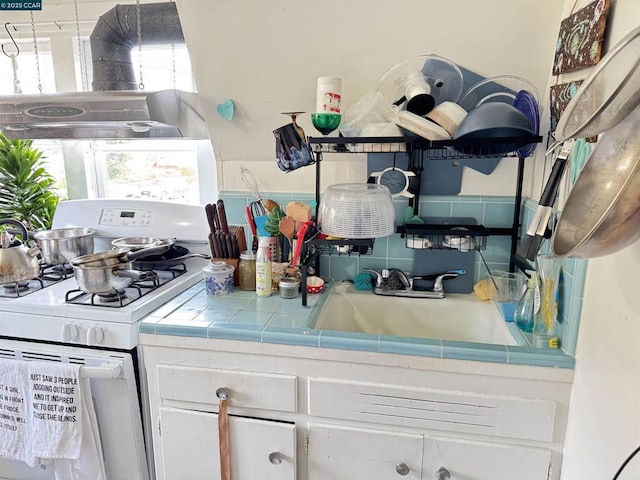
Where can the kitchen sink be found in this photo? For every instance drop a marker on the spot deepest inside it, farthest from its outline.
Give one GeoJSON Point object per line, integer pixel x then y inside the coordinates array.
{"type": "Point", "coordinates": [460, 317]}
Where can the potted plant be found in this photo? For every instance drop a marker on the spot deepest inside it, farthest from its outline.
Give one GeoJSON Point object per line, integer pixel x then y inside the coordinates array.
{"type": "Point", "coordinates": [26, 188]}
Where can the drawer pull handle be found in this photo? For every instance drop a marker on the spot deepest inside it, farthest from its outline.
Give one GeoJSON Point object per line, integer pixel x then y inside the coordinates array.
{"type": "Point", "coordinates": [275, 458]}
{"type": "Point", "coordinates": [443, 474]}
{"type": "Point", "coordinates": [222, 393]}
{"type": "Point", "coordinates": [402, 469]}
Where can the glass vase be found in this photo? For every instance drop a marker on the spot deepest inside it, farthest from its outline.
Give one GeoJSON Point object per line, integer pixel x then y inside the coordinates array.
{"type": "Point", "coordinates": [545, 325]}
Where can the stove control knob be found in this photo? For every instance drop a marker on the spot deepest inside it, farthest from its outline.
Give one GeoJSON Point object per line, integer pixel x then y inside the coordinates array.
{"type": "Point", "coordinates": [95, 335]}
{"type": "Point", "coordinates": [70, 332]}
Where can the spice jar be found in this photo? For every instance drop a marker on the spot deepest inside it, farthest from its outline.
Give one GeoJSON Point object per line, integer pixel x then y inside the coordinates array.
{"type": "Point", "coordinates": [247, 270]}
{"type": "Point", "coordinates": [288, 287]}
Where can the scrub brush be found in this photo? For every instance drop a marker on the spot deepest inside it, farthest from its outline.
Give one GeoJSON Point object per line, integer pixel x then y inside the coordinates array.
{"type": "Point", "coordinates": [362, 281]}
{"type": "Point", "coordinates": [394, 282]}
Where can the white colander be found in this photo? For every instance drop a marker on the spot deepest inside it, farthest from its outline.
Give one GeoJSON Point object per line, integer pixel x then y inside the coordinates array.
{"type": "Point", "coordinates": [357, 210]}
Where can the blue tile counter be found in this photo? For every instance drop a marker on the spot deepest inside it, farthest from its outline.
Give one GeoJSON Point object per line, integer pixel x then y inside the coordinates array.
{"type": "Point", "coordinates": [244, 316]}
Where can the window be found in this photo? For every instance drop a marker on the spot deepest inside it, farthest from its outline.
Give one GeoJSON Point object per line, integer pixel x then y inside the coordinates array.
{"type": "Point", "coordinates": [27, 69]}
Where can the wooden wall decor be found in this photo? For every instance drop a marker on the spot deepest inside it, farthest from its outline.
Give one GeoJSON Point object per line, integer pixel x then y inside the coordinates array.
{"type": "Point", "coordinates": [559, 97]}
{"type": "Point", "coordinates": [580, 39]}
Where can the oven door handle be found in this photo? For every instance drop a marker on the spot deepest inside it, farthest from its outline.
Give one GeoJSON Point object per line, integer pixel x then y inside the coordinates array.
{"type": "Point", "coordinates": [106, 370]}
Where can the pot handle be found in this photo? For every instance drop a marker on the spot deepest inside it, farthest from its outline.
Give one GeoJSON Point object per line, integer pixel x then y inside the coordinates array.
{"type": "Point", "coordinates": [137, 275]}
{"type": "Point", "coordinates": [19, 225]}
{"type": "Point", "coordinates": [158, 249]}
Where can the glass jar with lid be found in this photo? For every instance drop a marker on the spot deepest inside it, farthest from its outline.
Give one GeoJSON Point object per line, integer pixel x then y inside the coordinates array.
{"type": "Point", "coordinates": [247, 270]}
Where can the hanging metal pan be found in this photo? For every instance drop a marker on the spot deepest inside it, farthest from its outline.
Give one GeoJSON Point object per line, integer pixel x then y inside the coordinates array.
{"type": "Point", "coordinates": [607, 95]}
{"type": "Point", "coordinates": [602, 212]}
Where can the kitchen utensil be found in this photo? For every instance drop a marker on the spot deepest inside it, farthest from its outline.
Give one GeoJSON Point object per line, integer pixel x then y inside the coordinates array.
{"type": "Point", "coordinates": [417, 78]}
{"type": "Point", "coordinates": [288, 229]}
{"type": "Point", "coordinates": [608, 94]}
{"type": "Point", "coordinates": [530, 244]}
{"type": "Point", "coordinates": [61, 245]}
{"type": "Point", "coordinates": [493, 120]}
{"type": "Point", "coordinates": [134, 243]}
{"type": "Point", "coordinates": [249, 179]}
{"type": "Point", "coordinates": [106, 279]}
{"type": "Point", "coordinates": [509, 287]}
{"type": "Point", "coordinates": [209, 211]}
{"type": "Point", "coordinates": [222, 216]}
{"type": "Point", "coordinates": [19, 262]}
{"type": "Point", "coordinates": [526, 102]}
{"type": "Point", "coordinates": [602, 213]}
{"type": "Point", "coordinates": [118, 256]}
{"type": "Point", "coordinates": [357, 210]}
{"type": "Point", "coordinates": [497, 89]}
{"type": "Point", "coordinates": [295, 259]}
{"type": "Point", "coordinates": [252, 228]}
{"type": "Point", "coordinates": [401, 183]}
{"type": "Point", "coordinates": [175, 255]}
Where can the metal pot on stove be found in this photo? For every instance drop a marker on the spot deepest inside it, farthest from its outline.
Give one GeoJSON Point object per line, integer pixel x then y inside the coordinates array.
{"type": "Point", "coordinates": [61, 245]}
{"type": "Point", "coordinates": [18, 262]}
{"type": "Point", "coordinates": [111, 271]}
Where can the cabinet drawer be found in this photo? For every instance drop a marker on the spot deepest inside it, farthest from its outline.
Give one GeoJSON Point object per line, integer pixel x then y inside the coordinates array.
{"type": "Point", "coordinates": [424, 408]}
{"type": "Point", "coordinates": [246, 389]}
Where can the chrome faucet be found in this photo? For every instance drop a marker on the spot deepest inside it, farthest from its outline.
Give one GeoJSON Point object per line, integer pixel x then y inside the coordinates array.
{"type": "Point", "coordinates": [383, 286]}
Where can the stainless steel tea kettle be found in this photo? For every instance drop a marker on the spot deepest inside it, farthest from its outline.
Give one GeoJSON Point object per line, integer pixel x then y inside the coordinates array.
{"type": "Point", "coordinates": [18, 262]}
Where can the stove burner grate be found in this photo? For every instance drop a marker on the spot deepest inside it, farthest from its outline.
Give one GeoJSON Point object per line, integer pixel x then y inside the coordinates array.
{"type": "Point", "coordinates": [15, 289]}
{"type": "Point", "coordinates": [120, 298]}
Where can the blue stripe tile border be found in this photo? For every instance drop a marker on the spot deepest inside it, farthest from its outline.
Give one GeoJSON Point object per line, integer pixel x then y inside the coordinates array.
{"type": "Point", "coordinates": [470, 351]}
{"type": "Point", "coordinates": [251, 333]}
{"type": "Point", "coordinates": [348, 341]}
{"type": "Point", "coordinates": [423, 347]}
{"type": "Point", "coordinates": [287, 336]}
{"type": "Point", "coordinates": [537, 357]}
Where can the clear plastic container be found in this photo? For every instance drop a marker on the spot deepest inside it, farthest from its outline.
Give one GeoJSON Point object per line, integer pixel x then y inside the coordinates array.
{"type": "Point", "coordinates": [371, 108]}
{"type": "Point", "coordinates": [357, 210]}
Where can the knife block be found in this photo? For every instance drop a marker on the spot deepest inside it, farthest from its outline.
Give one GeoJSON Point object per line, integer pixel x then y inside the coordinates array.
{"type": "Point", "coordinates": [238, 232]}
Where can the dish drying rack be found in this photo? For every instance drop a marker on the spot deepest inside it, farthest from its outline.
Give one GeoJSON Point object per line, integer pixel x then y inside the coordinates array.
{"type": "Point", "coordinates": [441, 237]}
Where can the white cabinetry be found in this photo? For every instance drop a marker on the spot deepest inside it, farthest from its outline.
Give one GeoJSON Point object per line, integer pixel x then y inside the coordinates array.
{"type": "Point", "coordinates": [260, 449]}
{"type": "Point", "coordinates": [324, 414]}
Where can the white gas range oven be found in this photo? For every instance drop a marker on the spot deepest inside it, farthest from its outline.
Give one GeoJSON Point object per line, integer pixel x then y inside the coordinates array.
{"type": "Point", "coordinates": [50, 320]}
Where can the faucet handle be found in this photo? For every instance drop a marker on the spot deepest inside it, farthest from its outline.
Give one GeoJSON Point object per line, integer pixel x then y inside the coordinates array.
{"type": "Point", "coordinates": [437, 284]}
{"type": "Point", "coordinates": [377, 274]}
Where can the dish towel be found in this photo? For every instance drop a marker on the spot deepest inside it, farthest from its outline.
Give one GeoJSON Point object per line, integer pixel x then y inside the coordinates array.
{"type": "Point", "coordinates": [56, 410]}
{"type": "Point", "coordinates": [15, 437]}
{"type": "Point", "coordinates": [90, 465]}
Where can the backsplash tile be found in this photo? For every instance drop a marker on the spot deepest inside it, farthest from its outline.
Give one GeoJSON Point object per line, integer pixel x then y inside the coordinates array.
{"type": "Point", "coordinates": [491, 211]}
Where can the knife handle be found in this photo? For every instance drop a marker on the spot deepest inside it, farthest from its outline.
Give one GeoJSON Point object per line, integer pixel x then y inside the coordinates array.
{"type": "Point", "coordinates": [222, 216]}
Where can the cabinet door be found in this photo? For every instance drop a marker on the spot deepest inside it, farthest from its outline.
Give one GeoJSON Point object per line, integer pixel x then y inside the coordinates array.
{"type": "Point", "coordinates": [259, 448]}
{"type": "Point", "coordinates": [472, 460]}
{"type": "Point", "coordinates": [338, 453]}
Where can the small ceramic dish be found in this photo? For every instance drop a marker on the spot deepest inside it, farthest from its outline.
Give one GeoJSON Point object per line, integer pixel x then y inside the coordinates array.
{"type": "Point", "coordinates": [315, 284]}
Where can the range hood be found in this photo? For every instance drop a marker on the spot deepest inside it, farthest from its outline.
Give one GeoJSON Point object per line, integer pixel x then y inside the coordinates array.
{"type": "Point", "coordinates": [115, 109]}
{"type": "Point", "coordinates": [103, 115]}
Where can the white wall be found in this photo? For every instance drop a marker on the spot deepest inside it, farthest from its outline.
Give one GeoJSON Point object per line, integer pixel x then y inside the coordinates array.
{"type": "Point", "coordinates": [266, 56]}
{"type": "Point", "coordinates": [604, 414]}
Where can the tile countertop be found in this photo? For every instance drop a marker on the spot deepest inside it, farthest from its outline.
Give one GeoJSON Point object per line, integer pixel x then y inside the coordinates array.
{"type": "Point", "coordinates": [246, 317]}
